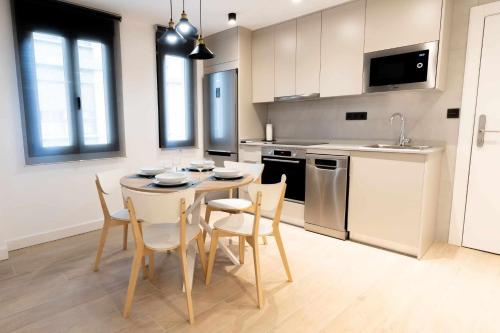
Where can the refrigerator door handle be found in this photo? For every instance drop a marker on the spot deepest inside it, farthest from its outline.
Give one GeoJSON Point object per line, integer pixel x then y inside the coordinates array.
{"type": "Point", "coordinates": [219, 153]}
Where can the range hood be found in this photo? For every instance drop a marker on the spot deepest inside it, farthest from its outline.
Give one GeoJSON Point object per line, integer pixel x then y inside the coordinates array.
{"type": "Point", "coordinates": [294, 98]}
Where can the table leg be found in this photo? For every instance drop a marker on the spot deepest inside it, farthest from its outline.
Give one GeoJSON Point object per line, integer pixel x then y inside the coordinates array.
{"type": "Point", "coordinates": [222, 246]}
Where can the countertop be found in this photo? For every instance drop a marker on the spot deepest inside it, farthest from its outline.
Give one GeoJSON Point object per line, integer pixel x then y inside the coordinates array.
{"type": "Point", "coordinates": [351, 145]}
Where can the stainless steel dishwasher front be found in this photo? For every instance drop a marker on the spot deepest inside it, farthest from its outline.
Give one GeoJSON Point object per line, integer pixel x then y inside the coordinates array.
{"type": "Point", "coordinates": [327, 181]}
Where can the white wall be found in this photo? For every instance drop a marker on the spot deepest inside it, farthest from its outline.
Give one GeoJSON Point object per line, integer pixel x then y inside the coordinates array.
{"type": "Point", "coordinates": [425, 113]}
{"type": "Point", "coordinates": [46, 202]}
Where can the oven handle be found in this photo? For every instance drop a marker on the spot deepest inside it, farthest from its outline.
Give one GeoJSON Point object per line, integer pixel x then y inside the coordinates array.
{"type": "Point", "coordinates": [280, 161]}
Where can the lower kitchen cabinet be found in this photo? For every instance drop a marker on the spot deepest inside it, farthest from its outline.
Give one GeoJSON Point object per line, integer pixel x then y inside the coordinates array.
{"type": "Point", "coordinates": [250, 154]}
{"type": "Point", "coordinates": [393, 200]}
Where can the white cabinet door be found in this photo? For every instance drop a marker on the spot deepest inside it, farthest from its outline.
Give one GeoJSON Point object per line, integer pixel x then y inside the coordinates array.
{"type": "Point", "coordinates": [385, 200]}
{"type": "Point", "coordinates": [250, 154]}
{"type": "Point", "coordinates": [482, 215]}
{"type": "Point", "coordinates": [342, 39]}
{"type": "Point", "coordinates": [263, 65]}
{"type": "Point", "coordinates": [308, 54]}
{"type": "Point", "coordinates": [395, 23]}
{"type": "Point", "coordinates": [285, 45]}
{"type": "Point", "coordinates": [224, 45]}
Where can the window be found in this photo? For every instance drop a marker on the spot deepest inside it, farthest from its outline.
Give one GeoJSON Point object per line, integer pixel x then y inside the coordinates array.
{"type": "Point", "coordinates": [66, 57]}
{"type": "Point", "coordinates": [175, 96]}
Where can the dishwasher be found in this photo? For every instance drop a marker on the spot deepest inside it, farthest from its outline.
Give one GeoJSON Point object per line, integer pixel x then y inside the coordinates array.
{"type": "Point", "coordinates": [327, 182]}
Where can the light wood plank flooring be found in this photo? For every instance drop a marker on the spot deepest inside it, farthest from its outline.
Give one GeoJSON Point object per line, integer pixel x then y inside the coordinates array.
{"type": "Point", "coordinates": [338, 287]}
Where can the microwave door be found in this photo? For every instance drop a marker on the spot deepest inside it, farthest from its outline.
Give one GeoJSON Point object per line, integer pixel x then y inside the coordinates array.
{"type": "Point", "coordinates": [220, 112]}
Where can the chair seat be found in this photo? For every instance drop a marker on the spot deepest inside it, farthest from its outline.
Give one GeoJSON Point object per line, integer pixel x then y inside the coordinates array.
{"type": "Point", "coordinates": [230, 204]}
{"type": "Point", "coordinates": [121, 214]}
{"type": "Point", "coordinates": [163, 237]}
{"type": "Point", "coordinates": [242, 224]}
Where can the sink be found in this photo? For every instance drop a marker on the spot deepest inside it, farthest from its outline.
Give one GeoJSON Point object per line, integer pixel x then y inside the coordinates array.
{"type": "Point", "coordinates": [397, 147]}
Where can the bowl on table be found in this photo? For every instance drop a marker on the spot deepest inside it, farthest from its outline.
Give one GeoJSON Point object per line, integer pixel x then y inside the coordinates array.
{"type": "Point", "coordinates": [227, 173]}
{"type": "Point", "coordinates": [202, 164]}
{"type": "Point", "coordinates": [172, 178]}
{"type": "Point", "coordinates": [151, 170]}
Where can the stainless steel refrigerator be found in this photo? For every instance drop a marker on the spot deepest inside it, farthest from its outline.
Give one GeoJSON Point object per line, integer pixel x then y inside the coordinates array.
{"type": "Point", "coordinates": [221, 116]}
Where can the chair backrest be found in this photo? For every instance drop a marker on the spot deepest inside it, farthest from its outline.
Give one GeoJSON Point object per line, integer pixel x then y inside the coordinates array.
{"type": "Point", "coordinates": [272, 194]}
{"type": "Point", "coordinates": [159, 208]}
{"type": "Point", "coordinates": [254, 169]}
{"type": "Point", "coordinates": [109, 190]}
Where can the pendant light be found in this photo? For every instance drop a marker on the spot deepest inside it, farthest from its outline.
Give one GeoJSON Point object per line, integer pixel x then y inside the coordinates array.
{"type": "Point", "coordinates": [201, 51]}
{"type": "Point", "coordinates": [171, 36]}
{"type": "Point", "coordinates": [185, 28]}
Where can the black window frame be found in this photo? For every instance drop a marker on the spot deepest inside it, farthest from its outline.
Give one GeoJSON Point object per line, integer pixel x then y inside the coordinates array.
{"type": "Point", "coordinates": [73, 23]}
{"type": "Point", "coordinates": [181, 50]}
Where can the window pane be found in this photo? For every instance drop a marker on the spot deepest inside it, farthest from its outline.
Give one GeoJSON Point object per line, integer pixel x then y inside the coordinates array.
{"type": "Point", "coordinates": [95, 109]}
{"type": "Point", "coordinates": [52, 90]}
{"type": "Point", "coordinates": [177, 116]}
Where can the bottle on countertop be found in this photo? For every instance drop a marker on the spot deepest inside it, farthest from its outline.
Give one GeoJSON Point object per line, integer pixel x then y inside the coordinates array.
{"type": "Point", "coordinates": [269, 132]}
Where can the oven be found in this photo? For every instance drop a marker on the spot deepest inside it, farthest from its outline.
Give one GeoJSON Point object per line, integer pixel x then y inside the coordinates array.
{"type": "Point", "coordinates": [290, 162]}
{"type": "Point", "coordinates": [402, 68]}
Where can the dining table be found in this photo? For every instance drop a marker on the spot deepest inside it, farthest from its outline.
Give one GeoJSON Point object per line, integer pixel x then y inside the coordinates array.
{"type": "Point", "coordinates": [203, 182]}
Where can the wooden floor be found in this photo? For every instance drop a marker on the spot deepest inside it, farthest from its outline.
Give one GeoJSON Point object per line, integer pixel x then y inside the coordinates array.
{"type": "Point", "coordinates": [338, 287]}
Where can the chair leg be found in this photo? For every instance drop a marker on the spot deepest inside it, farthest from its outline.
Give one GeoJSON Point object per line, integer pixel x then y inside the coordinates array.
{"type": "Point", "coordinates": [100, 247]}
{"type": "Point", "coordinates": [203, 255]}
{"type": "Point", "coordinates": [208, 212]}
{"type": "Point", "coordinates": [125, 236]}
{"type": "Point", "coordinates": [151, 273]}
{"type": "Point", "coordinates": [242, 249]}
{"type": "Point", "coordinates": [144, 268]}
{"type": "Point", "coordinates": [256, 262]}
{"type": "Point", "coordinates": [211, 258]}
{"type": "Point", "coordinates": [187, 285]}
{"type": "Point", "coordinates": [281, 248]}
{"type": "Point", "coordinates": [264, 240]}
{"type": "Point", "coordinates": [134, 273]}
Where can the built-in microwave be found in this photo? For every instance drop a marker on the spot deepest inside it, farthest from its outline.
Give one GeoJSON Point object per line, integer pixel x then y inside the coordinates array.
{"type": "Point", "coordinates": [402, 68]}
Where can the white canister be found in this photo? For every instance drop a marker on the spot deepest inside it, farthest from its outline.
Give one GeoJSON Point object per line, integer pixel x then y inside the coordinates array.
{"type": "Point", "coordinates": [269, 132]}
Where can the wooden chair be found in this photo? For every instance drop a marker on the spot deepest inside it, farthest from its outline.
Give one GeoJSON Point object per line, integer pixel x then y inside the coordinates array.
{"type": "Point", "coordinates": [267, 197]}
{"type": "Point", "coordinates": [236, 205]}
{"type": "Point", "coordinates": [163, 228]}
{"type": "Point", "coordinates": [119, 218]}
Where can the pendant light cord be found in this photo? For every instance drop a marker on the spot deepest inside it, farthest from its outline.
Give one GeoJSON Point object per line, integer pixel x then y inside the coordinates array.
{"type": "Point", "coordinates": [201, 28]}
{"type": "Point", "coordinates": [171, 10]}
{"type": "Point", "coordinates": [183, 5]}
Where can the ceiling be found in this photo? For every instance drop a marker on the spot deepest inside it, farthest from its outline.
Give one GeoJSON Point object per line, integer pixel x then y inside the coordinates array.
{"type": "Point", "coordinates": [252, 14]}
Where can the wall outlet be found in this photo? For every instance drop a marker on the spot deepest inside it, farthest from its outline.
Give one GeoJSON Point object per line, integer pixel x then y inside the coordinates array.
{"type": "Point", "coordinates": [453, 113]}
{"type": "Point", "coordinates": [356, 115]}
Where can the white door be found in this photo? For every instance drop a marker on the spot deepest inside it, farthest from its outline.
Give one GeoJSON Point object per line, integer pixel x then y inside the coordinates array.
{"type": "Point", "coordinates": [482, 215]}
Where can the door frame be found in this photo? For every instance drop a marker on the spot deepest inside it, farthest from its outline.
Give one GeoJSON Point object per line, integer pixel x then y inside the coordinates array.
{"type": "Point", "coordinates": [467, 118]}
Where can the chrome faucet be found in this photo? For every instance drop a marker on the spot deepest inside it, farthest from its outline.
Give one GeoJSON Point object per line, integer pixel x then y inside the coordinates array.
{"type": "Point", "coordinates": [403, 140]}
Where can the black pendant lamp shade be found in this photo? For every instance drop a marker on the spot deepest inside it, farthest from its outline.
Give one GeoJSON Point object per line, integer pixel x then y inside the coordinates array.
{"type": "Point", "coordinates": [201, 51]}
{"type": "Point", "coordinates": [185, 28]}
{"type": "Point", "coordinates": [171, 36]}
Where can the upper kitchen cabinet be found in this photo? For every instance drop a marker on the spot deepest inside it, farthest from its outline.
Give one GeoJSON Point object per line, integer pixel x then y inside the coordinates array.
{"type": "Point", "coordinates": [308, 54]}
{"type": "Point", "coordinates": [342, 40]}
{"type": "Point", "coordinates": [263, 65]}
{"type": "Point", "coordinates": [225, 47]}
{"type": "Point", "coordinates": [285, 45]}
{"type": "Point", "coordinates": [395, 23]}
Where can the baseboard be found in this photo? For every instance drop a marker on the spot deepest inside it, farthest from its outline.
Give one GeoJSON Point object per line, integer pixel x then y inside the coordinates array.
{"type": "Point", "coordinates": [4, 253]}
{"type": "Point", "coordinates": [52, 235]}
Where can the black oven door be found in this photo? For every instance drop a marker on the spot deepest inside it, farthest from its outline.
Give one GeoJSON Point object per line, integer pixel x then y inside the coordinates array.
{"type": "Point", "coordinates": [295, 171]}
